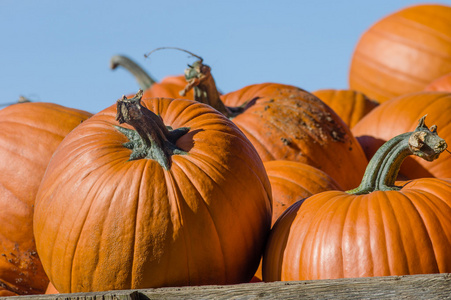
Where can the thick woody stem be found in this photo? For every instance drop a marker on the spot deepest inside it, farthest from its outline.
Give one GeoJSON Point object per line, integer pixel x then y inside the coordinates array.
{"type": "Point", "coordinates": [382, 170]}
{"type": "Point", "coordinates": [151, 139]}
{"type": "Point", "coordinates": [200, 79]}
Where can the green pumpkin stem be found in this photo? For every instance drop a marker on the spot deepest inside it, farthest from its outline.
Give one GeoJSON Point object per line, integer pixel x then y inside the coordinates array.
{"type": "Point", "coordinates": [151, 139]}
{"type": "Point", "coordinates": [144, 79]}
{"type": "Point", "coordinates": [383, 168]}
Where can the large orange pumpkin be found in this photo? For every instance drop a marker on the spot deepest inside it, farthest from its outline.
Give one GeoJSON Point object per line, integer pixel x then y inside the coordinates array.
{"type": "Point", "coordinates": [285, 122]}
{"type": "Point", "coordinates": [350, 106]}
{"type": "Point", "coordinates": [30, 133]}
{"type": "Point", "coordinates": [403, 52]}
{"type": "Point", "coordinates": [397, 116]}
{"type": "Point", "coordinates": [168, 87]}
{"type": "Point", "coordinates": [187, 204]}
{"type": "Point", "coordinates": [377, 229]}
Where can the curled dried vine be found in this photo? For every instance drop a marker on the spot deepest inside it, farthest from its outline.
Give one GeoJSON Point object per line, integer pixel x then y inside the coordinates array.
{"type": "Point", "coordinates": [175, 48]}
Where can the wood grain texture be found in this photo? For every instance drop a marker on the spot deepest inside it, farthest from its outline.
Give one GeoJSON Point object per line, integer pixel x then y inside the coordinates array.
{"type": "Point", "coordinates": [429, 286]}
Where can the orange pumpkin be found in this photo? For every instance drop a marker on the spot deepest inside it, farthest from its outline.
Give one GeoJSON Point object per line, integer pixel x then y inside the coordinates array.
{"type": "Point", "coordinates": [403, 52]}
{"type": "Point", "coordinates": [292, 181]}
{"type": "Point", "coordinates": [285, 122]}
{"type": "Point", "coordinates": [377, 229]}
{"type": "Point", "coordinates": [168, 87]}
{"type": "Point", "coordinates": [350, 106]}
{"type": "Point", "coordinates": [30, 134]}
{"type": "Point", "coordinates": [397, 116]}
{"type": "Point", "coordinates": [184, 202]}
{"type": "Point", "coordinates": [441, 84]}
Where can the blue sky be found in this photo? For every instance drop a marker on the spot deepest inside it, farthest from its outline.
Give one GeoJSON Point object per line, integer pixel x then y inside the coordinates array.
{"type": "Point", "coordinates": [59, 51]}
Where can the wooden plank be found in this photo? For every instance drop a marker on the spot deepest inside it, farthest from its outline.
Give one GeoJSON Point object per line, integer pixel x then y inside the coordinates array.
{"type": "Point", "coordinates": [429, 286]}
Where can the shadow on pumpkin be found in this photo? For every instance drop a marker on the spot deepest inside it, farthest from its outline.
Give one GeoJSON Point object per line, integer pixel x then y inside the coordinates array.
{"type": "Point", "coordinates": [186, 142]}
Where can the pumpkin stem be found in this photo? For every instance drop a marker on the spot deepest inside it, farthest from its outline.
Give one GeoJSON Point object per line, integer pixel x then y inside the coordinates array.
{"type": "Point", "coordinates": [151, 139]}
{"type": "Point", "coordinates": [144, 80]}
{"type": "Point", "coordinates": [383, 168]}
{"type": "Point", "coordinates": [200, 79]}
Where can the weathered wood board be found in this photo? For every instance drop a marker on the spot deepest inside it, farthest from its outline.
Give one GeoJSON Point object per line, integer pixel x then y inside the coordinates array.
{"type": "Point", "coordinates": [430, 286]}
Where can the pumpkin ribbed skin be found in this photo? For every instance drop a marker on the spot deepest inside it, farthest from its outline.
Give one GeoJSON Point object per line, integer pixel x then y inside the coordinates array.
{"type": "Point", "coordinates": [292, 181]}
{"type": "Point", "coordinates": [120, 224]}
{"type": "Point", "coordinates": [350, 106]}
{"type": "Point", "coordinates": [288, 123]}
{"type": "Point", "coordinates": [403, 52]}
{"type": "Point", "coordinates": [441, 84]}
{"type": "Point", "coordinates": [399, 115]}
{"type": "Point", "coordinates": [30, 133]}
{"type": "Point", "coordinates": [336, 235]}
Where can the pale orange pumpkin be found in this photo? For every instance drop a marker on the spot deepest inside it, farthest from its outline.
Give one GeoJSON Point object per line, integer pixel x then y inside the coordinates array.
{"type": "Point", "coordinates": [403, 52]}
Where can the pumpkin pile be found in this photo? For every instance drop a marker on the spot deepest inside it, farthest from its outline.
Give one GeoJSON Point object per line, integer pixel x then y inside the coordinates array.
{"type": "Point", "coordinates": [180, 184]}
